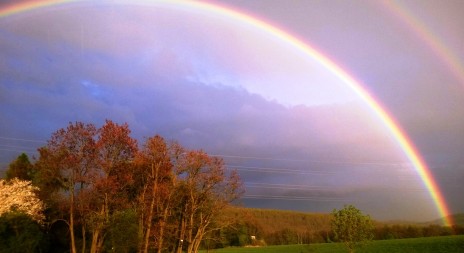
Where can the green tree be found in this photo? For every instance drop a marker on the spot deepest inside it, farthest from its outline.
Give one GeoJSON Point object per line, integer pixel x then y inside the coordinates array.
{"type": "Point", "coordinates": [20, 233]}
{"type": "Point", "coordinates": [20, 168]}
{"type": "Point", "coordinates": [122, 232]}
{"type": "Point", "coordinates": [352, 227]}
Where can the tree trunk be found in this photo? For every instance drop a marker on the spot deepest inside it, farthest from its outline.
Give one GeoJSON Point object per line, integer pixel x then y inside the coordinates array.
{"type": "Point", "coordinates": [83, 239]}
{"type": "Point", "coordinates": [71, 222]}
{"type": "Point", "coordinates": [198, 237]}
{"type": "Point", "coordinates": [154, 171]}
{"type": "Point", "coordinates": [204, 223]}
{"type": "Point", "coordinates": [97, 233]}
{"type": "Point", "coordinates": [190, 233]}
{"type": "Point", "coordinates": [141, 229]}
{"type": "Point", "coordinates": [149, 224]}
{"type": "Point", "coordinates": [97, 240]}
{"type": "Point", "coordinates": [95, 236]}
{"type": "Point", "coordinates": [100, 242]}
{"type": "Point", "coordinates": [182, 227]}
{"type": "Point", "coordinates": [162, 226]}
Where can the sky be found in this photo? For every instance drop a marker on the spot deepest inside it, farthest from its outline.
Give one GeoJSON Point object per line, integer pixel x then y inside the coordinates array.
{"type": "Point", "coordinates": [300, 138]}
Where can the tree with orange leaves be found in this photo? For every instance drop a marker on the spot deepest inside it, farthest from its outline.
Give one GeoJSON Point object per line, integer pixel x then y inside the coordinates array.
{"type": "Point", "coordinates": [204, 188]}
{"type": "Point", "coordinates": [67, 165]}
{"type": "Point", "coordinates": [116, 151]}
{"type": "Point", "coordinates": [156, 179]}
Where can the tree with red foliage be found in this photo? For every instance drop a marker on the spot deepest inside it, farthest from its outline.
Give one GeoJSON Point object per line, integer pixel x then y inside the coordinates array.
{"type": "Point", "coordinates": [68, 163]}
{"type": "Point", "coordinates": [116, 152]}
{"type": "Point", "coordinates": [156, 178]}
{"type": "Point", "coordinates": [95, 174]}
{"type": "Point", "coordinates": [94, 169]}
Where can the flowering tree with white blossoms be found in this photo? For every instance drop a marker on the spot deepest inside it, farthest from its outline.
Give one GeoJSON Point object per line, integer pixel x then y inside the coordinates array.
{"type": "Point", "coordinates": [20, 195]}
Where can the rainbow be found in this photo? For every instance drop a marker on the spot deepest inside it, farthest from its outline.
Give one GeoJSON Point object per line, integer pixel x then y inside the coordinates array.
{"type": "Point", "coordinates": [307, 50]}
{"type": "Point", "coordinates": [418, 28]}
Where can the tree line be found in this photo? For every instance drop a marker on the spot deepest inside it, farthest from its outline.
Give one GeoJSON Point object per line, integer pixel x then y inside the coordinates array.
{"type": "Point", "coordinates": [279, 227]}
{"type": "Point", "coordinates": [101, 192]}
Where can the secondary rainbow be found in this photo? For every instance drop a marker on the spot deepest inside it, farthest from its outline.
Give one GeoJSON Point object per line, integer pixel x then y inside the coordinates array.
{"type": "Point", "coordinates": [437, 46]}
{"type": "Point", "coordinates": [357, 86]}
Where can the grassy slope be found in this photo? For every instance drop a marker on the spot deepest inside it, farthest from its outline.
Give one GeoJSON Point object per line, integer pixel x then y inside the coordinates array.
{"type": "Point", "coordinates": [275, 220]}
{"type": "Point", "coordinates": [444, 244]}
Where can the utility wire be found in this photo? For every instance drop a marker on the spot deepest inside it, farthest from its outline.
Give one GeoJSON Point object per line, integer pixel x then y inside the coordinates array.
{"type": "Point", "coordinates": [19, 147]}
{"type": "Point", "coordinates": [277, 170]}
{"type": "Point", "coordinates": [19, 139]}
{"type": "Point", "coordinates": [299, 198]}
{"type": "Point", "coordinates": [286, 186]}
{"type": "Point", "coordinates": [17, 150]}
{"type": "Point", "coordinates": [314, 161]}
{"type": "Point", "coordinates": [263, 158]}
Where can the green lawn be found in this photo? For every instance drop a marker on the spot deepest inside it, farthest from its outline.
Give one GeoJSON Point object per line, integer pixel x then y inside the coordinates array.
{"type": "Point", "coordinates": [442, 244]}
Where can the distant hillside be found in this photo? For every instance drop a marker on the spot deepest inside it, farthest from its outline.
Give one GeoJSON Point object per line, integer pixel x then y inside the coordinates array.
{"type": "Point", "coordinates": [458, 219]}
{"type": "Point", "coordinates": [276, 220]}
{"type": "Point", "coordinates": [251, 226]}
{"type": "Point", "coordinates": [280, 227]}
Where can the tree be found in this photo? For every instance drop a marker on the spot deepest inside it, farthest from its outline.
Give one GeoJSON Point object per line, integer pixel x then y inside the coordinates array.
{"type": "Point", "coordinates": [97, 181]}
{"type": "Point", "coordinates": [92, 169]}
{"type": "Point", "coordinates": [20, 168]}
{"type": "Point", "coordinates": [352, 227]}
{"type": "Point", "coordinates": [122, 232]}
{"type": "Point", "coordinates": [68, 163]}
{"type": "Point", "coordinates": [20, 196]}
{"type": "Point", "coordinates": [155, 176]}
{"type": "Point", "coordinates": [20, 233]}
{"type": "Point", "coordinates": [111, 184]}
{"type": "Point", "coordinates": [204, 190]}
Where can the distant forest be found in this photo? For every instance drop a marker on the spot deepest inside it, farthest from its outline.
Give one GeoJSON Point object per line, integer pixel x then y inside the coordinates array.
{"type": "Point", "coordinates": [278, 227]}
{"type": "Point", "coordinates": [97, 190]}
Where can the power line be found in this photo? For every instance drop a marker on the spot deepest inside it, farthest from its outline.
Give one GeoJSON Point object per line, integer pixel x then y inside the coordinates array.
{"type": "Point", "coordinates": [328, 188]}
{"type": "Point", "coordinates": [20, 147]}
{"type": "Point", "coordinates": [17, 150]}
{"type": "Point", "coordinates": [377, 163]}
{"type": "Point", "coordinates": [286, 186]}
{"type": "Point", "coordinates": [298, 198]}
{"type": "Point", "coordinates": [259, 158]}
{"type": "Point", "coordinates": [277, 170]}
{"type": "Point", "coordinates": [19, 139]}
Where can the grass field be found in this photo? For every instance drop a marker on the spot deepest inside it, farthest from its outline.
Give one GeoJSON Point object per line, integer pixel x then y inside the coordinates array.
{"type": "Point", "coordinates": [442, 244]}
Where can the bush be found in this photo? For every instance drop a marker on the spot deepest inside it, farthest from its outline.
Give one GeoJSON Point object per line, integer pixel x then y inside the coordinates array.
{"type": "Point", "coordinates": [20, 233]}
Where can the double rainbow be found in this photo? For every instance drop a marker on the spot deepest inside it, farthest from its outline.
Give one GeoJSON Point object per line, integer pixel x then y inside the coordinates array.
{"type": "Point", "coordinates": [307, 50]}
